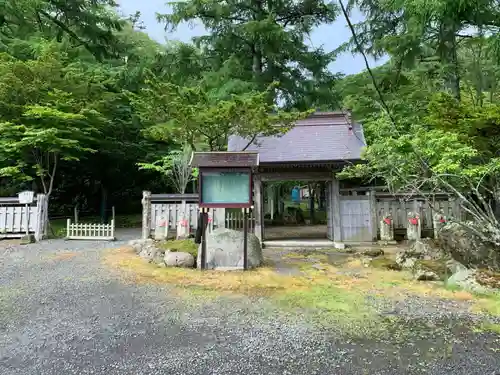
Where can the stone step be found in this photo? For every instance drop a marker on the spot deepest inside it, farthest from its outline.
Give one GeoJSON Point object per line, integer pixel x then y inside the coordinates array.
{"type": "Point", "coordinates": [301, 244]}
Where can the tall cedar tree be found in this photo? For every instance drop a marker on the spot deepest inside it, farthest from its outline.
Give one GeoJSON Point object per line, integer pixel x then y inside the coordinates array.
{"type": "Point", "coordinates": [266, 41]}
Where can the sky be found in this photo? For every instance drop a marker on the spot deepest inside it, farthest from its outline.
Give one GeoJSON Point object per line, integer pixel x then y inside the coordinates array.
{"type": "Point", "coordinates": [328, 36]}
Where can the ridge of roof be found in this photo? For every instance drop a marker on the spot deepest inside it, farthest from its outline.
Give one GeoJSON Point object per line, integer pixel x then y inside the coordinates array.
{"type": "Point", "coordinates": [334, 137]}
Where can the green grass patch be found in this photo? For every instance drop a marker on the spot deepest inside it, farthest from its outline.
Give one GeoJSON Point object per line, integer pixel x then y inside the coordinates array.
{"type": "Point", "coordinates": [329, 305]}
{"type": "Point", "coordinates": [490, 304]}
{"type": "Point", "coordinates": [313, 255]}
{"type": "Point", "coordinates": [385, 264]}
{"type": "Point", "coordinates": [184, 246]}
{"type": "Point", "coordinates": [487, 327]}
{"type": "Point", "coordinates": [321, 293]}
{"type": "Point", "coordinates": [198, 293]}
{"type": "Point", "coordinates": [485, 303]}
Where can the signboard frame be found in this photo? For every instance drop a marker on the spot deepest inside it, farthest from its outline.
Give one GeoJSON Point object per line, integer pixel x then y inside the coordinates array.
{"type": "Point", "coordinates": [26, 197]}
{"type": "Point", "coordinates": [246, 204]}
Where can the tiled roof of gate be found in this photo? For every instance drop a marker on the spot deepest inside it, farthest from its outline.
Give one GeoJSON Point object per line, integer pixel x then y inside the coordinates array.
{"type": "Point", "coordinates": [324, 136]}
{"type": "Point", "coordinates": [223, 159]}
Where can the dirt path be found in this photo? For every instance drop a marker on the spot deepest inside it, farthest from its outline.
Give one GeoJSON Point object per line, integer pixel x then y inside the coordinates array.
{"type": "Point", "coordinates": [63, 312]}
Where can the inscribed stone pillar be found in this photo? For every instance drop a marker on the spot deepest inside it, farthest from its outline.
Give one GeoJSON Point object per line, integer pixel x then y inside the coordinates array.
{"type": "Point", "coordinates": [146, 214]}
{"type": "Point", "coordinates": [183, 223]}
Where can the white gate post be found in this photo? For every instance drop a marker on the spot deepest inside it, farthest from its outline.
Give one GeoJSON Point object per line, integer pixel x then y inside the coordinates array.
{"type": "Point", "coordinates": [146, 214]}
{"type": "Point", "coordinates": [41, 216]}
{"type": "Point", "coordinates": [335, 212]}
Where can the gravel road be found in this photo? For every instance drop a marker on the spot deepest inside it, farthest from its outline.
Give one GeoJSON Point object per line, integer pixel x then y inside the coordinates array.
{"type": "Point", "coordinates": [62, 312]}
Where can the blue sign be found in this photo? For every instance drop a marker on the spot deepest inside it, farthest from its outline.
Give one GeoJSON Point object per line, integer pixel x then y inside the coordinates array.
{"type": "Point", "coordinates": [225, 189]}
{"type": "Point", "coordinates": [296, 195]}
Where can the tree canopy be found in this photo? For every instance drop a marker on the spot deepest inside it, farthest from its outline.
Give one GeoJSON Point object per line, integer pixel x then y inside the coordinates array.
{"type": "Point", "coordinates": [87, 97]}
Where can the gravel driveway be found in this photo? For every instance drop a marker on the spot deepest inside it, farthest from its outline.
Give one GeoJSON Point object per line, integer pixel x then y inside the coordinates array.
{"type": "Point", "coordinates": [62, 312]}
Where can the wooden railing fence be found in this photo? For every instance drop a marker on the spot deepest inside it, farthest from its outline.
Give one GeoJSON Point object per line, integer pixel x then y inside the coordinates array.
{"type": "Point", "coordinates": [14, 217]}
{"type": "Point", "coordinates": [164, 211]}
{"type": "Point", "coordinates": [168, 208]}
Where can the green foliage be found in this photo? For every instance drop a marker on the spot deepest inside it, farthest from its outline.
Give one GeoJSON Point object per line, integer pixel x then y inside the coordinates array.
{"type": "Point", "coordinates": [85, 96]}
{"type": "Point", "coordinates": [415, 31]}
{"type": "Point", "coordinates": [197, 114]}
{"type": "Point", "coordinates": [185, 246]}
{"type": "Point", "coordinates": [88, 23]}
{"type": "Point", "coordinates": [42, 124]}
{"type": "Point", "coordinates": [265, 43]}
{"type": "Point", "coordinates": [175, 166]}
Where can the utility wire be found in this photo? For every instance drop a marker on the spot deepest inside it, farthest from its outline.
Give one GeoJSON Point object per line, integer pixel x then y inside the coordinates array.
{"type": "Point", "coordinates": [367, 64]}
{"type": "Point", "coordinates": [474, 207]}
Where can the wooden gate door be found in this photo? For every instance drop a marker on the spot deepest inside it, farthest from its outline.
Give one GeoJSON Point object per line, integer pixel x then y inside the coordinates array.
{"type": "Point", "coordinates": [356, 218]}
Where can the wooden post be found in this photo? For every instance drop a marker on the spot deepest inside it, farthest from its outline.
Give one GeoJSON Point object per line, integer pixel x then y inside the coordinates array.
{"type": "Point", "coordinates": [146, 214]}
{"type": "Point", "coordinates": [219, 217]}
{"type": "Point", "coordinates": [373, 214]}
{"type": "Point", "coordinates": [257, 207]}
{"type": "Point", "coordinates": [27, 219]}
{"type": "Point", "coordinates": [322, 196]}
{"type": "Point", "coordinates": [329, 215]}
{"type": "Point", "coordinates": [203, 223]}
{"type": "Point", "coordinates": [276, 201]}
{"type": "Point", "coordinates": [270, 200]}
{"type": "Point", "coordinates": [245, 239]}
{"type": "Point", "coordinates": [113, 226]}
{"type": "Point", "coordinates": [311, 203]}
{"type": "Point", "coordinates": [75, 212]}
{"type": "Point", "coordinates": [456, 209]}
{"type": "Point", "coordinates": [167, 223]}
{"type": "Point", "coordinates": [335, 211]}
{"type": "Point", "coordinates": [68, 228]}
{"type": "Point", "coordinates": [281, 202]}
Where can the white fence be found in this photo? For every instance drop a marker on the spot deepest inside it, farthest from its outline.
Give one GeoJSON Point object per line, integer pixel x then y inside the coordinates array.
{"type": "Point", "coordinates": [15, 218]}
{"type": "Point", "coordinates": [82, 231]}
{"type": "Point", "coordinates": [164, 211]}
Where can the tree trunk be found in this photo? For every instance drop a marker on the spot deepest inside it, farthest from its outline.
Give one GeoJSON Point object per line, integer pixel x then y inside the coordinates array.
{"type": "Point", "coordinates": [104, 204]}
{"type": "Point", "coordinates": [447, 50]}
